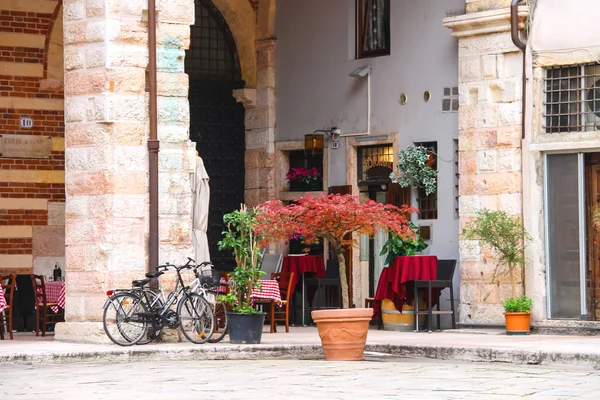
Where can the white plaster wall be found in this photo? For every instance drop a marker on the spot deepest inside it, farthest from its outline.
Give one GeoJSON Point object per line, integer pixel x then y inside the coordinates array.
{"type": "Point", "coordinates": [315, 54]}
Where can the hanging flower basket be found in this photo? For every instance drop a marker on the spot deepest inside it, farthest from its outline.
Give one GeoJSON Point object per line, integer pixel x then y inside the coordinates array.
{"type": "Point", "coordinates": [415, 169]}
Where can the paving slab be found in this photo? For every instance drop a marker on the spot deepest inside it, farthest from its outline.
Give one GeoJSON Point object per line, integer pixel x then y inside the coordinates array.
{"type": "Point", "coordinates": [304, 343]}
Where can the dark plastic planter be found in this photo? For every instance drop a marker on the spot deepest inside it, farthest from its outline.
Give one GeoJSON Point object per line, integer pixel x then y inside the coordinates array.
{"type": "Point", "coordinates": [245, 328]}
{"type": "Point", "coordinates": [301, 186]}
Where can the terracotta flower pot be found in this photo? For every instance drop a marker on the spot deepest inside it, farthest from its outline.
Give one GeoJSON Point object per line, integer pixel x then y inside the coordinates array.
{"type": "Point", "coordinates": [518, 323]}
{"type": "Point", "coordinates": [343, 332]}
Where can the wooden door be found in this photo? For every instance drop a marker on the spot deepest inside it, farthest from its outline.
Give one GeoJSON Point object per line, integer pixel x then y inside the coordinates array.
{"type": "Point", "coordinates": [346, 189]}
{"type": "Point", "coordinates": [593, 275]}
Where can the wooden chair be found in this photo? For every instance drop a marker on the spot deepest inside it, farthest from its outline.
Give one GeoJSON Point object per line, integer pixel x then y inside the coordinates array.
{"type": "Point", "coordinates": [285, 289]}
{"type": "Point", "coordinates": [42, 317]}
{"type": "Point", "coordinates": [6, 317]}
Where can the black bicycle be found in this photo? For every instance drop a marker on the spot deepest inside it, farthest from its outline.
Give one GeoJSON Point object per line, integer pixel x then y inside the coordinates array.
{"type": "Point", "coordinates": [138, 315]}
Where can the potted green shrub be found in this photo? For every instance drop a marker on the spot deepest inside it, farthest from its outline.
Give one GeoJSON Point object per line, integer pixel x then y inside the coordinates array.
{"type": "Point", "coordinates": [507, 237]}
{"type": "Point", "coordinates": [245, 323]}
{"type": "Point", "coordinates": [415, 169]}
{"type": "Point", "coordinates": [398, 246]}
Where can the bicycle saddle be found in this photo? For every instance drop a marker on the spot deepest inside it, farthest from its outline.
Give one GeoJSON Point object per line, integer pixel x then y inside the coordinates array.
{"type": "Point", "coordinates": [140, 282]}
{"type": "Point", "coordinates": [155, 275]}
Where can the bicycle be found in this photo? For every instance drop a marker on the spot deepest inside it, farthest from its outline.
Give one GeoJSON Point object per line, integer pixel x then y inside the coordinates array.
{"type": "Point", "coordinates": [140, 313]}
{"type": "Point", "coordinates": [206, 285]}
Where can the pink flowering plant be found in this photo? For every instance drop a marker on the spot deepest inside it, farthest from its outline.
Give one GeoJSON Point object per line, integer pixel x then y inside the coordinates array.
{"type": "Point", "coordinates": [302, 174]}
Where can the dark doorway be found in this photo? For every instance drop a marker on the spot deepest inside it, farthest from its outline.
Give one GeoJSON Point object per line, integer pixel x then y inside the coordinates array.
{"type": "Point", "coordinates": [216, 119]}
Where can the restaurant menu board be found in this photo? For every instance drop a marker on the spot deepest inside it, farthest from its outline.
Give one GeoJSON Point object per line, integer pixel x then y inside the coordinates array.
{"type": "Point", "coordinates": [25, 146]}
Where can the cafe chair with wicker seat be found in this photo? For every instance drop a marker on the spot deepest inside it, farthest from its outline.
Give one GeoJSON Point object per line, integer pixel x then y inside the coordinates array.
{"type": "Point", "coordinates": [445, 273]}
{"type": "Point", "coordinates": [43, 317]}
{"type": "Point", "coordinates": [6, 316]}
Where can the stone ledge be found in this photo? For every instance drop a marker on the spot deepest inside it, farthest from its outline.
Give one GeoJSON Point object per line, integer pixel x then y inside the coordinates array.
{"type": "Point", "coordinates": [484, 23]}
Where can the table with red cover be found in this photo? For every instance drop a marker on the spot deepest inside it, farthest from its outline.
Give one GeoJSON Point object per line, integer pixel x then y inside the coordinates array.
{"type": "Point", "coordinates": [395, 282]}
{"type": "Point", "coordinates": [303, 264]}
{"type": "Point", "coordinates": [55, 293]}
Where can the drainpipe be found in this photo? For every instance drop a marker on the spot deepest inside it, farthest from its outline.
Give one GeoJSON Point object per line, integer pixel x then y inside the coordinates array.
{"type": "Point", "coordinates": [514, 32]}
{"type": "Point", "coordinates": [153, 143]}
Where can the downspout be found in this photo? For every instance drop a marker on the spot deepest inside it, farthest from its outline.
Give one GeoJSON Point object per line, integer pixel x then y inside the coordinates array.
{"type": "Point", "coordinates": [153, 143]}
{"type": "Point", "coordinates": [514, 33]}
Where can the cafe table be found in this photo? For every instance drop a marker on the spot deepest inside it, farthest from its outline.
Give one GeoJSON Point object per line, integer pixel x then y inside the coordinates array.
{"type": "Point", "coordinates": [55, 293]}
{"type": "Point", "coordinates": [395, 282]}
{"type": "Point", "coordinates": [300, 264]}
{"type": "Point", "coordinates": [2, 299]}
{"type": "Point", "coordinates": [269, 291]}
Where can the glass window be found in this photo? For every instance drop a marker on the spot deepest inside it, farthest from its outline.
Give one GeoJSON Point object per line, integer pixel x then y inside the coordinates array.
{"type": "Point", "coordinates": [373, 28]}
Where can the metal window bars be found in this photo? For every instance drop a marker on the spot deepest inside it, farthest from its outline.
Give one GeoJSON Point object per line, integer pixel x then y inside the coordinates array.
{"type": "Point", "coordinates": [572, 99]}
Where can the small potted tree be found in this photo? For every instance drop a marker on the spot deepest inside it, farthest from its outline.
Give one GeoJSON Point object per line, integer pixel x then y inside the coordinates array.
{"type": "Point", "coordinates": [507, 237]}
{"type": "Point", "coordinates": [245, 323]}
{"type": "Point", "coordinates": [343, 332]}
{"type": "Point", "coordinates": [396, 246]}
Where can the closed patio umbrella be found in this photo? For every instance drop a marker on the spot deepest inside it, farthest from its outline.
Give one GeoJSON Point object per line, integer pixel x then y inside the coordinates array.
{"type": "Point", "coordinates": [201, 199]}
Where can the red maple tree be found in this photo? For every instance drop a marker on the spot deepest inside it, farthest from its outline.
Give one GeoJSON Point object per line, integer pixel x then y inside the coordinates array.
{"type": "Point", "coordinates": [331, 217]}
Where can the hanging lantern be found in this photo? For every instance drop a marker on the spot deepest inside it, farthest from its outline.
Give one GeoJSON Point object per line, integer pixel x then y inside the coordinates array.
{"type": "Point", "coordinates": [313, 144]}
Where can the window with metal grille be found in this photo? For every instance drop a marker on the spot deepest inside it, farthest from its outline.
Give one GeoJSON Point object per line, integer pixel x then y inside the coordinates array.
{"type": "Point", "coordinates": [372, 28]}
{"type": "Point", "coordinates": [427, 204]}
{"type": "Point", "coordinates": [213, 53]}
{"type": "Point", "coordinates": [572, 99]}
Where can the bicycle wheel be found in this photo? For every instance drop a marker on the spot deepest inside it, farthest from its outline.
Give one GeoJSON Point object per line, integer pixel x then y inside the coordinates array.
{"type": "Point", "coordinates": [155, 304]}
{"type": "Point", "coordinates": [220, 317]}
{"type": "Point", "coordinates": [195, 318]}
{"type": "Point", "coordinates": [121, 319]}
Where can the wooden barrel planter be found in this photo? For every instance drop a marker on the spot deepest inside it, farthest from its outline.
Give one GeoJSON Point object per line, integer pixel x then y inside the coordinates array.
{"type": "Point", "coordinates": [394, 320]}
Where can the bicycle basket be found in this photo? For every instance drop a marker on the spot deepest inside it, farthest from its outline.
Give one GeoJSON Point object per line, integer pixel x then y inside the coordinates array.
{"type": "Point", "coordinates": [211, 280]}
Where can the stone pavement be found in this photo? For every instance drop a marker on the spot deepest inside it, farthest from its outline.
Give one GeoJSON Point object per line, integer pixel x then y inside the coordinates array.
{"type": "Point", "coordinates": [391, 377]}
{"type": "Point", "coordinates": [303, 342]}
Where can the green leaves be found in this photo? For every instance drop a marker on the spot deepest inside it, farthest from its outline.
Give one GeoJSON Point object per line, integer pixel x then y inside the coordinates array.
{"type": "Point", "coordinates": [519, 304]}
{"type": "Point", "coordinates": [414, 170]}
{"type": "Point", "coordinates": [398, 246]}
{"type": "Point", "coordinates": [241, 239]}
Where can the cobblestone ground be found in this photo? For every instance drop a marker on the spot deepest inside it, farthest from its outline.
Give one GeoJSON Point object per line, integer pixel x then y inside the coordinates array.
{"type": "Point", "coordinates": [297, 379]}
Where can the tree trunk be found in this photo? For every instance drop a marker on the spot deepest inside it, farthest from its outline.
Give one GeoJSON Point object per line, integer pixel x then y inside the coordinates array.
{"type": "Point", "coordinates": [343, 278]}
{"type": "Point", "coordinates": [513, 284]}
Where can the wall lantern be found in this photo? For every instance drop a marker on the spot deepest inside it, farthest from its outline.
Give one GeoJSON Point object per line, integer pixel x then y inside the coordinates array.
{"type": "Point", "coordinates": [313, 144]}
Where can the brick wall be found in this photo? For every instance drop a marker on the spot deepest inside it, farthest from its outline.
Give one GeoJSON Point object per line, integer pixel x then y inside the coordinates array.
{"type": "Point", "coordinates": [33, 228]}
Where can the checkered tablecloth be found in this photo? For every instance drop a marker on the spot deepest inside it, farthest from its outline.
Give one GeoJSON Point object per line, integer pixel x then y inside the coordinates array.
{"type": "Point", "coordinates": [55, 293]}
{"type": "Point", "coordinates": [269, 291]}
{"type": "Point", "coordinates": [2, 299]}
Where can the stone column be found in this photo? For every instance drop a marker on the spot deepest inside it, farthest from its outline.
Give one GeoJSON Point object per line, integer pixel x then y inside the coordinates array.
{"type": "Point", "coordinates": [260, 129]}
{"type": "Point", "coordinates": [106, 116]}
{"type": "Point", "coordinates": [490, 70]}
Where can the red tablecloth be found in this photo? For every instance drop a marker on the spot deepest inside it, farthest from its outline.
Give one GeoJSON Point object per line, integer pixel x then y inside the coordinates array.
{"type": "Point", "coordinates": [302, 264]}
{"type": "Point", "coordinates": [2, 299]}
{"type": "Point", "coordinates": [55, 293]}
{"type": "Point", "coordinates": [393, 281]}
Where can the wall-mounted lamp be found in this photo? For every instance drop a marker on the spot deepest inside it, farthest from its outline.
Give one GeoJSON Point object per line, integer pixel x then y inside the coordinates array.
{"type": "Point", "coordinates": [314, 142]}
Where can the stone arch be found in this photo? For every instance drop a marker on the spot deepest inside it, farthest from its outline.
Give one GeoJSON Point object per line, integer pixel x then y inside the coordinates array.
{"type": "Point", "coordinates": [241, 19]}
{"type": "Point", "coordinates": [54, 63]}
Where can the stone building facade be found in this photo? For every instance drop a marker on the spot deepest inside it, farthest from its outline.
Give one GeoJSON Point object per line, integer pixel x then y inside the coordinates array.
{"type": "Point", "coordinates": [78, 70]}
